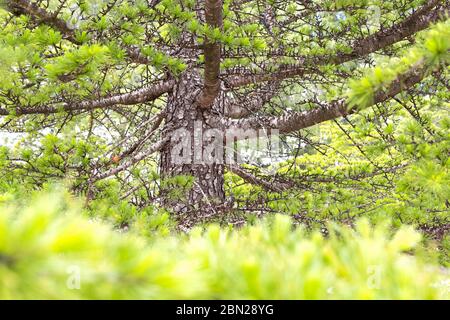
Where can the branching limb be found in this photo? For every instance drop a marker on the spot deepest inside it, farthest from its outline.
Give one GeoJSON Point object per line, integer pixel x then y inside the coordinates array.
{"type": "Point", "coordinates": [42, 16]}
{"type": "Point", "coordinates": [430, 13]}
{"type": "Point", "coordinates": [142, 95]}
{"type": "Point", "coordinates": [273, 186]}
{"type": "Point", "coordinates": [211, 87]}
{"type": "Point", "coordinates": [239, 108]}
{"type": "Point", "coordinates": [142, 155]}
{"type": "Point", "coordinates": [288, 183]}
{"type": "Point", "coordinates": [299, 120]}
{"type": "Point", "coordinates": [157, 120]}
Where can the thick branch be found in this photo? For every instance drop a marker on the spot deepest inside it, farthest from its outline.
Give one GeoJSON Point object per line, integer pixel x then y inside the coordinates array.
{"type": "Point", "coordinates": [336, 109]}
{"type": "Point", "coordinates": [142, 95]}
{"type": "Point", "coordinates": [142, 155]}
{"type": "Point", "coordinates": [273, 186]}
{"type": "Point", "coordinates": [416, 22]}
{"type": "Point", "coordinates": [213, 15]}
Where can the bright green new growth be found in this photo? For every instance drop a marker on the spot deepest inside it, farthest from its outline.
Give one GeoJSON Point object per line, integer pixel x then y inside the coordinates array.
{"type": "Point", "coordinates": [48, 251]}
{"type": "Point", "coordinates": [433, 50]}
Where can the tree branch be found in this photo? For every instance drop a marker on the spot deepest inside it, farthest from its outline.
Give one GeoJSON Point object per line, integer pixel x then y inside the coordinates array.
{"type": "Point", "coordinates": [239, 108]}
{"type": "Point", "coordinates": [25, 7]}
{"type": "Point", "coordinates": [142, 95]}
{"type": "Point", "coordinates": [213, 15]}
{"type": "Point", "coordinates": [289, 183]}
{"type": "Point", "coordinates": [273, 186]}
{"type": "Point", "coordinates": [336, 109]}
{"type": "Point", "coordinates": [416, 22]}
{"type": "Point", "coordinates": [142, 155]}
{"type": "Point", "coordinates": [42, 16]}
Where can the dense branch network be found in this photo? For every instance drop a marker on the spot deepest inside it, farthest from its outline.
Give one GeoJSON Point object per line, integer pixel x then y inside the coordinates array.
{"type": "Point", "coordinates": [421, 19]}
{"type": "Point", "coordinates": [300, 120]}
{"type": "Point", "coordinates": [238, 114]}
{"type": "Point", "coordinates": [43, 16]}
{"type": "Point", "coordinates": [431, 12]}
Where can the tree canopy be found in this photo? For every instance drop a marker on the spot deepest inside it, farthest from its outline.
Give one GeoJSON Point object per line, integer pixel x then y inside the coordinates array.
{"type": "Point", "coordinates": [147, 111]}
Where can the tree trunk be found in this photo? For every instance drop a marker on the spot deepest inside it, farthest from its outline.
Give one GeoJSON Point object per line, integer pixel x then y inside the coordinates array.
{"type": "Point", "coordinates": [185, 125]}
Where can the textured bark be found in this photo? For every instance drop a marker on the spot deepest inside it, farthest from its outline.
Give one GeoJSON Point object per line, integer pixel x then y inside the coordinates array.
{"type": "Point", "coordinates": [198, 203]}
{"type": "Point", "coordinates": [213, 17]}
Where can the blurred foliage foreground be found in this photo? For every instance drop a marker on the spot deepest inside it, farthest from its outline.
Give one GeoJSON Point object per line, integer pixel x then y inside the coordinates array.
{"type": "Point", "coordinates": [49, 249]}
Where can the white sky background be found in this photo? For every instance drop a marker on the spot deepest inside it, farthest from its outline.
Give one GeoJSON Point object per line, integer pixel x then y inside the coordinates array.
{"type": "Point", "coordinates": [10, 139]}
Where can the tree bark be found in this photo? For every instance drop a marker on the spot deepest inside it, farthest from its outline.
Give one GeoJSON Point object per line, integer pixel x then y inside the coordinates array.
{"type": "Point", "coordinates": [186, 123]}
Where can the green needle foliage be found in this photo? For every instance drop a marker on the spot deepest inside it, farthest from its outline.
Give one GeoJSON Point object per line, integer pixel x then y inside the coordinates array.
{"type": "Point", "coordinates": [47, 250]}
{"type": "Point", "coordinates": [355, 205]}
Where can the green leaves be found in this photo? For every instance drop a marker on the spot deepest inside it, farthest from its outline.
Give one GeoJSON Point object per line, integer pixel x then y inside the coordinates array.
{"type": "Point", "coordinates": [432, 50]}
{"type": "Point", "coordinates": [212, 263]}
{"type": "Point", "coordinates": [46, 36]}
{"type": "Point", "coordinates": [159, 60]}
{"type": "Point", "coordinates": [177, 187]}
{"type": "Point", "coordinates": [388, 162]}
{"type": "Point", "coordinates": [82, 61]}
{"type": "Point", "coordinates": [194, 26]}
{"type": "Point", "coordinates": [81, 36]}
{"type": "Point", "coordinates": [437, 43]}
{"type": "Point", "coordinates": [361, 93]}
